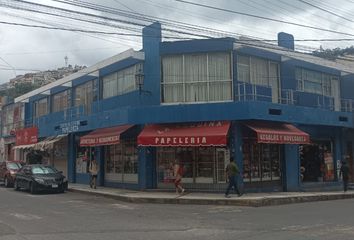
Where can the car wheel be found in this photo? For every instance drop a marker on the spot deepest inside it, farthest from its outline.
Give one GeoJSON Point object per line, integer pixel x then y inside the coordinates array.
{"type": "Point", "coordinates": [6, 182]}
{"type": "Point", "coordinates": [33, 189]}
{"type": "Point", "coordinates": [16, 185]}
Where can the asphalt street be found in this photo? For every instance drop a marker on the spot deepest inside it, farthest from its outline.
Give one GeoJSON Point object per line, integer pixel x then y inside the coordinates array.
{"type": "Point", "coordinates": [79, 216]}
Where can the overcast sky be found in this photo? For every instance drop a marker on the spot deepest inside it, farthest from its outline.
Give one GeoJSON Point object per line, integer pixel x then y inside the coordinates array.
{"type": "Point", "coordinates": [24, 49]}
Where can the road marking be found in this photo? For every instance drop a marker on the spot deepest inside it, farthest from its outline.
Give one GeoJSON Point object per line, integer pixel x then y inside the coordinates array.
{"type": "Point", "coordinates": [25, 217]}
{"type": "Point", "coordinates": [123, 206]}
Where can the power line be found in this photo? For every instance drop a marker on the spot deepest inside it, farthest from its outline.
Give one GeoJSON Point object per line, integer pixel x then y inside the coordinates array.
{"type": "Point", "coordinates": [264, 18]}
{"type": "Point", "coordinates": [69, 29]}
{"type": "Point", "coordinates": [325, 10]}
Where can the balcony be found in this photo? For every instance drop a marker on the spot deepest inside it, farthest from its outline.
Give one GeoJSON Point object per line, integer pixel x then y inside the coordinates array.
{"type": "Point", "coordinates": [252, 92]}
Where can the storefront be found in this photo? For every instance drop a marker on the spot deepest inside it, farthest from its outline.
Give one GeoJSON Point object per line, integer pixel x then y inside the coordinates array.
{"type": "Point", "coordinates": [49, 151]}
{"type": "Point", "coordinates": [317, 161]}
{"type": "Point", "coordinates": [202, 149]}
{"type": "Point", "coordinates": [263, 152]}
{"type": "Point", "coordinates": [119, 151]}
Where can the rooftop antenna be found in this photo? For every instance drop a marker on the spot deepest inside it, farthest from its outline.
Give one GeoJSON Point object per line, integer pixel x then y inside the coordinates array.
{"type": "Point", "coordinates": [66, 60]}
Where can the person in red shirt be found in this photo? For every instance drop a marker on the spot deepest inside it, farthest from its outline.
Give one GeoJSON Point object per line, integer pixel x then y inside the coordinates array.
{"type": "Point", "coordinates": [178, 172]}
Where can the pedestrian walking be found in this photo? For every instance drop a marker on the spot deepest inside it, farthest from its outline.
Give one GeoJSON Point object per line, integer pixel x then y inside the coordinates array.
{"type": "Point", "coordinates": [93, 169]}
{"type": "Point", "coordinates": [344, 171]}
{"type": "Point", "coordinates": [178, 172]}
{"type": "Point", "coordinates": [232, 172]}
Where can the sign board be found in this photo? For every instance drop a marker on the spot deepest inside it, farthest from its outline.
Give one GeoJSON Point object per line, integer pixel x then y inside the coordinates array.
{"type": "Point", "coordinates": [26, 136]}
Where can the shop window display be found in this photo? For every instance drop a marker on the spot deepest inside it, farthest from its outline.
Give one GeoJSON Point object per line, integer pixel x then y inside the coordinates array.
{"type": "Point", "coordinates": [201, 165]}
{"type": "Point", "coordinates": [261, 162]}
{"type": "Point", "coordinates": [122, 162]}
{"type": "Point", "coordinates": [317, 163]}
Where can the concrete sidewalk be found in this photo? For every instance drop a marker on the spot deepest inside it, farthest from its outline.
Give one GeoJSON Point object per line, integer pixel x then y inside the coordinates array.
{"type": "Point", "coordinates": [249, 199]}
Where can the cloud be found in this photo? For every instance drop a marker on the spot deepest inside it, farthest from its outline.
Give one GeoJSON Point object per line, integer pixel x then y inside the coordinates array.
{"type": "Point", "coordinates": [43, 49]}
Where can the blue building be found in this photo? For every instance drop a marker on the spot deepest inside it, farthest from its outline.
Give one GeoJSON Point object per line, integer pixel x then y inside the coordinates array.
{"type": "Point", "coordinates": [286, 117]}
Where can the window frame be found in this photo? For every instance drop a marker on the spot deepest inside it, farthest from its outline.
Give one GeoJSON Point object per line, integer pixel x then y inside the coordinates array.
{"type": "Point", "coordinates": [184, 83]}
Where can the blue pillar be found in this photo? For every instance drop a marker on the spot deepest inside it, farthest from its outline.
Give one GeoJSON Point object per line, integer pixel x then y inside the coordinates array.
{"type": "Point", "coordinates": [236, 150]}
{"type": "Point", "coordinates": [147, 167]}
{"type": "Point", "coordinates": [337, 153]}
{"type": "Point", "coordinates": [291, 168]}
{"type": "Point", "coordinates": [71, 158]}
{"type": "Point", "coordinates": [152, 72]}
{"type": "Point", "coordinates": [99, 154]}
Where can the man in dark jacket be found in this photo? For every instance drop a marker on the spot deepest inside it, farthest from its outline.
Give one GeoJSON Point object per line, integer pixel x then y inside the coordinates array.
{"type": "Point", "coordinates": [344, 171]}
{"type": "Point", "coordinates": [232, 173]}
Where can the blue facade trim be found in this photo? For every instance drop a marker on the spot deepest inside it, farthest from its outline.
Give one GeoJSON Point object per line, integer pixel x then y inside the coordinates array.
{"type": "Point", "coordinates": [152, 65]}
{"type": "Point", "coordinates": [82, 80]}
{"type": "Point", "coordinates": [199, 112]}
{"type": "Point", "coordinates": [197, 46]}
{"type": "Point", "coordinates": [58, 89]}
{"type": "Point", "coordinates": [347, 86]}
{"type": "Point", "coordinates": [115, 67]}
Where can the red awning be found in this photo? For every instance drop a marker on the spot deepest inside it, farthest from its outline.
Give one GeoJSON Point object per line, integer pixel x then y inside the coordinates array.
{"type": "Point", "coordinates": [278, 133]}
{"type": "Point", "coordinates": [103, 136]}
{"type": "Point", "coordinates": [191, 134]}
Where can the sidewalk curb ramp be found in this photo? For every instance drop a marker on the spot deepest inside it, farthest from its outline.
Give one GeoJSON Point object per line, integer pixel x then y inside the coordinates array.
{"type": "Point", "coordinates": [235, 201]}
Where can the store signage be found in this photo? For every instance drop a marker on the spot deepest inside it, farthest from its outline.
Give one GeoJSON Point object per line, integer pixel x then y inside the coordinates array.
{"type": "Point", "coordinates": [197, 134]}
{"type": "Point", "coordinates": [95, 141]}
{"type": "Point", "coordinates": [69, 127]}
{"type": "Point", "coordinates": [282, 138]}
{"type": "Point", "coordinates": [26, 136]}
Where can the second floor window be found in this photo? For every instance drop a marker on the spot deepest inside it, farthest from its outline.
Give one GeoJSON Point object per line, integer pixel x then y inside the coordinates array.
{"type": "Point", "coordinates": [316, 82]}
{"type": "Point", "coordinates": [40, 107]}
{"type": "Point", "coordinates": [119, 82]}
{"type": "Point", "coordinates": [84, 96]}
{"type": "Point", "coordinates": [196, 78]}
{"type": "Point", "coordinates": [60, 101]}
{"type": "Point", "coordinates": [261, 72]}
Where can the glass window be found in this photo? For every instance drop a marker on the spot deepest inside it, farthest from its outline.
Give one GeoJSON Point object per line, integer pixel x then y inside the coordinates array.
{"type": "Point", "coordinates": [202, 165]}
{"type": "Point", "coordinates": [43, 170]}
{"type": "Point", "coordinates": [60, 101]}
{"type": "Point", "coordinates": [120, 82]}
{"type": "Point", "coordinates": [40, 107]}
{"type": "Point", "coordinates": [261, 162]}
{"type": "Point", "coordinates": [196, 78]}
{"type": "Point", "coordinates": [122, 162]}
{"type": "Point", "coordinates": [243, 69]}
{"type": "Point", "coordinates": [257, 71]}
{"type": "Point", "coordinates": [84, 96]}
{"type": "Point", "coordinates": [316, 82]}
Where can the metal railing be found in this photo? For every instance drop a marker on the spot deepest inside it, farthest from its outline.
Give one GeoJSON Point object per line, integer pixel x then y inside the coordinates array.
{"type": "Point", "coordinates": [252, 92]}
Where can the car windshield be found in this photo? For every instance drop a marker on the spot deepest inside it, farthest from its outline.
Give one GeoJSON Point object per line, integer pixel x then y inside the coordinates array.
{"type": "Point", "coordinates": [13, 166]}
{"type": "Point", "coordinates": [43, 170]}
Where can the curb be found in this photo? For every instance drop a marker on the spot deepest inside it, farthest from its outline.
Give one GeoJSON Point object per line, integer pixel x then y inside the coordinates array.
{"type": "Point", "coordinates": [258, 202]}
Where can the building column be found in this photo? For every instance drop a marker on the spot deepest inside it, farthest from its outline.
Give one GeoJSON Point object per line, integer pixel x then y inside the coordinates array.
{"type": "Point", "coordinates": [236, 150]}
{"type": "Point", "coordinates": [99, 152]}
{"type": "Point", "coordinates": [337, 153]}
{"type": "Point", "coordinates": [147, 167]}
{"type": "Point", "coordinates": [71, 158]}
{"type": "Point", "coordinates": [291, 168]}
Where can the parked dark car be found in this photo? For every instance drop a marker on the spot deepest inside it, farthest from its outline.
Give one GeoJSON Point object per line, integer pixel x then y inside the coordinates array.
{"type": "Point", "coordinates": [8, 169]}
{"type": "Point", "coordinates": [39, 177]}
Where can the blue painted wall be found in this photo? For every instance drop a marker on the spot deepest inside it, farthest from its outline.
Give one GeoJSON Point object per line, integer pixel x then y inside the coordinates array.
{"type": "Point", "coordinates": [347, 86]}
